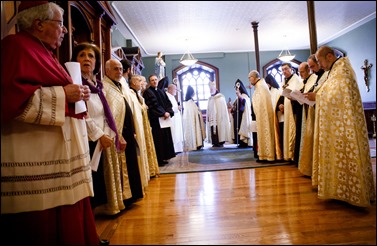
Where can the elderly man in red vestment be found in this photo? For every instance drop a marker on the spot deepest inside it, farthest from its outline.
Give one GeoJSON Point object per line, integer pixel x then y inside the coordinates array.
{"type": "Point", "coordinates": [45, 174]}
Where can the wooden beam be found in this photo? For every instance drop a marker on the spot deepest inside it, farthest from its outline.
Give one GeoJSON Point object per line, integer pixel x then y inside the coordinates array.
{"type": "Point", "coordinates": [254, 24]}
{"type": "Point", "coordinates": [312, 27]}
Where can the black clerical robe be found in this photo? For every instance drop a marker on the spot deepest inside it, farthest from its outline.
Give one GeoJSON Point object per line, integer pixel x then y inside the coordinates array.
{"type": "Point", "coordinates": [158, 104]}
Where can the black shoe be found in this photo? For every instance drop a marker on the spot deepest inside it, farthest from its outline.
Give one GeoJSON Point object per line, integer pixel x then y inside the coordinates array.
{"type": "Point", "coordinates": [162, 163]}
{"type": "Point", "coordinates": [242, 146]}
{"type": "Point", "coordinates": [261, 161]}
{"type": "Point", "coordinates": [104, 242]}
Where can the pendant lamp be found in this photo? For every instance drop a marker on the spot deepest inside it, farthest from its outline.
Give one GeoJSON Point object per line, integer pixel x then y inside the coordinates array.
{"type": "Point", "coordinates": [188, 59]}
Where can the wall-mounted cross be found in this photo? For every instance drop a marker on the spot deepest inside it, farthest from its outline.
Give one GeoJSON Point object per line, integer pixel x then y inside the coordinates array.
{"type": "Point", "coordinates": [366, 68]}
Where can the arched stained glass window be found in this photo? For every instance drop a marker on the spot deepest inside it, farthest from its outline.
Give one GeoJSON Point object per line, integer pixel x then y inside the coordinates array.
{"type": "Point", "coordinates": [274, 68]}
{"type": "Point", "coordinates": [198, 76]}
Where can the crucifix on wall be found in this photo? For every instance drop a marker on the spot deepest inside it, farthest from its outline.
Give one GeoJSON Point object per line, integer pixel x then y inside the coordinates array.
{"type": "Point", "coordinates": [366, 68]}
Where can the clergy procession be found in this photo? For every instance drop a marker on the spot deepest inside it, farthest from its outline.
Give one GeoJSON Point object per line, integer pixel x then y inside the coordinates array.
{"type": "Point", "coordinates": [110, 150]}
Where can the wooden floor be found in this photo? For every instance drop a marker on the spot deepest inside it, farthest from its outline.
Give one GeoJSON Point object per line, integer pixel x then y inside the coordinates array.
{"type": "Point", "coordinates": [272, 205]}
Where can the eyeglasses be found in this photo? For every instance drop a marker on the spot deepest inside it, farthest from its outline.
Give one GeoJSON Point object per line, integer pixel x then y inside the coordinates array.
{"type": "Point", "coordinates": [60, 23]}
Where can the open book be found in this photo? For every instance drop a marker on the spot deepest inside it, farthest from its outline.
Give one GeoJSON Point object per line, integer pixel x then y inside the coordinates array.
{"type": "Point", "coordinates": [298, 96]}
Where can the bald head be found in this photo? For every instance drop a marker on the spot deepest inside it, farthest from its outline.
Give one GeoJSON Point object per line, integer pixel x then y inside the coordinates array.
{"type": "Point", "coordinates": [114, 69]}
{"type": "Point", "coordinates": [172, 89]}
{"type": "Point", "coordinates": [253, 77]}
{"type": "Point", "coordinates": [304, 70]}
{"type": "Point", "coordinates": [254, 73]}
{"type": "Point", "coordinates": [324, 50]}
{"type": "Point", "coordinates": [325, 56]}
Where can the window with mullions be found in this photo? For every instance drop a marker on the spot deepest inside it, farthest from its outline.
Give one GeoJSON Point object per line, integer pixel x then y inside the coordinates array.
{"type": "Point", "coordinates": [274, 68]}
{"type": "Point", "coordinates": [199, 80]}
{"type": "Point", "coordinates": [197, 76]}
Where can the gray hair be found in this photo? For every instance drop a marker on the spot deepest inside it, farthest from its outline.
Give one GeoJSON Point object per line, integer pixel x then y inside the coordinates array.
{"type": "Point", "coordinates": [135, 77]}
{"type": "Point", "coordinates": [171, 86]}
{"type": "Point", "coordinates": [42, 12]}
{"type": "Point", "coordinates": [254, 73]}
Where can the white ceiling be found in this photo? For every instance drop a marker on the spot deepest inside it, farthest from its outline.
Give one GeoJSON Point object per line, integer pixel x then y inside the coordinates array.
{"type": "Point", "coordinates": [225, 26]}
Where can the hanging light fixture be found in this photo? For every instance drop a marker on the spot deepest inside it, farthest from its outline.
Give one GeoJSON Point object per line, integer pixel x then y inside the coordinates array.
{"type": "Point", "coordinates": [188, 59]}
{"type": "Point", "coordinates": [285, 55]}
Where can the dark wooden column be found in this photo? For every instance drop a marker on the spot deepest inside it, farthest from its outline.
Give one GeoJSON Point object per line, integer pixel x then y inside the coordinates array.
{"type": "Point", "coordinates": [254, 24]}
{"type": "Point", "coordinates": [312, 27]}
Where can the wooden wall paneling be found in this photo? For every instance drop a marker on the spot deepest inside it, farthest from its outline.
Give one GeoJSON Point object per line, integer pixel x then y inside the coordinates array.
{"type": "Point", "coordinates": [133, 54]}
{"type": "Point", "coordinates": [87, 21]}
{"type": "Point", "coordinates": [369, 111]}
{"type": "Point", "coordinates": [8, 18]}
{"type": "Point", "coordinates": [104, 20]}
{"type": "Point", "coordinates": [106, 32]}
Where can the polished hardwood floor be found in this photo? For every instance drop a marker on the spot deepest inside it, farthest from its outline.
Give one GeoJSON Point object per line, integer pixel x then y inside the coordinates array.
{"type": "Point", "coordinates": [271, 205]}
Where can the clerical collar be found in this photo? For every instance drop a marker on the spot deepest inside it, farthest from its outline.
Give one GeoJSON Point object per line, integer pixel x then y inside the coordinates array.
{"type": "Point", "coordinates": [332, 65]}
{"type": "Point", "coordinates": [306, 80]}
{"type": "Point", "coordinates": [137, 93]}
{"type": "Point", "coordinates": [214, 94]}
{"type": "Point", "coordinates": [320, 72]}
{"type": "Point", "coordinates": [133, 89]}
{"type": "Point", "coordinates": [287, 79]}
{"type": "Point", "coordinates": [117, 84]}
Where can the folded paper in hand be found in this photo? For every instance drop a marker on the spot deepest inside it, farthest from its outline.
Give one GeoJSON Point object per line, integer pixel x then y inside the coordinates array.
{"type": "Point", "coordinates": [164, 123]}
{"type": "Point", "coordinates": [298, 96]}
{"type": "Point", "coordinates": [286, 93]}
{"type": "Point", "coordinates": [253, 126]}
{"type": "Point", "coordinates": [94, 161]}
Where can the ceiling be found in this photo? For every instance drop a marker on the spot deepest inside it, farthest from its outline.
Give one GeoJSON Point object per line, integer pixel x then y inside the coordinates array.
{"type": "Point", "coordinates": [174, 27]}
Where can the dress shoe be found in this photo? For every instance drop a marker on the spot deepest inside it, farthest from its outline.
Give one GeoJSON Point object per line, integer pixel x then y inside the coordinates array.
{"type": "Point", "coordinates": [162, 163]}
{"type": "Point", "coordinates": [104, 242]}
{"type": "Point", "coordinates": [242, 146]}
